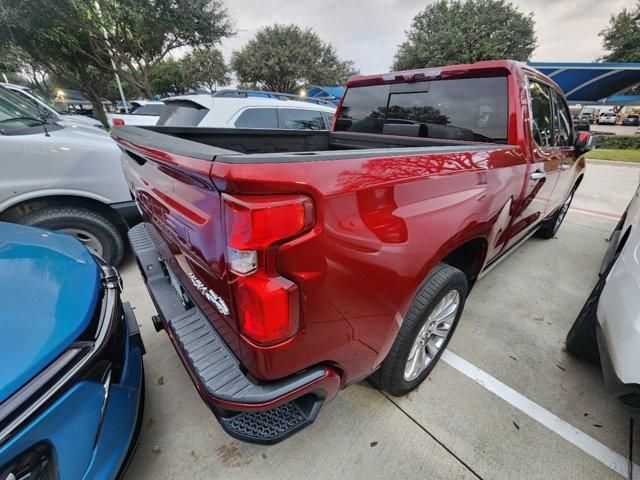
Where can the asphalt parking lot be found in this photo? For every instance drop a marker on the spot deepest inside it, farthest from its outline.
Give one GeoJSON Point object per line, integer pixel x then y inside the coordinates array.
{"type": "Point", "coordinates": [506, 401]}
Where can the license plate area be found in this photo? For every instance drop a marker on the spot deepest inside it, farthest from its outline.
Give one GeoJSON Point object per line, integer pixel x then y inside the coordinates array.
{"type": "Point", "coordinates": [184, 297]}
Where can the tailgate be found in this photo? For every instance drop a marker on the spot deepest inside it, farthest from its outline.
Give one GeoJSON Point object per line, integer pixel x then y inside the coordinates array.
{"type": "Point", "coordinates": [176, 195]}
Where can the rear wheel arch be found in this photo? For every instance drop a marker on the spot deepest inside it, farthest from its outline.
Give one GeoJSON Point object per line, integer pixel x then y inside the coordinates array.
{"type": "Point", "coordinates": [468, 257]}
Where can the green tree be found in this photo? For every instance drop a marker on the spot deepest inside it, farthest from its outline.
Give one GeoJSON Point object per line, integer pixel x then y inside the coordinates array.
{"type": "Point", "coordinates": [141, 33]}
{"type": "Point", "coordinates": [453, 31]}
{"type": "Point", "coordinates": [169, 76]}
{"type": "Point", "coordinates": [622, 37]}
{"type": "Point", "coordinates": [60, 36]}
{"type": "Point", "coordinates": [206, 67]}
{"type": "Point", "coordinates": [136, 33]}
{"type": "Point", "coordinates": [285, 57]}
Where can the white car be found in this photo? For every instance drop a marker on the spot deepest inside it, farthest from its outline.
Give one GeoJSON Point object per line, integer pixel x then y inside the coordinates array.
{"type": "Point", "coordinates": [142, 113]}
{"type": "Point", "coordinates": [608, 326]}
{"type": "Point", "coordinates": [50, 109]}
{"type": "Point", "coordinates": [63, 177]}
{"type": "Point", "coordinates": [607, 118]}
{"type": "Point", "coordinates": [233, 109]}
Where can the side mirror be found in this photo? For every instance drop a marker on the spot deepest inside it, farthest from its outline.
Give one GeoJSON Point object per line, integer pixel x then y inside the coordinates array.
{"type": "Point", "coordinates": [584, 142]}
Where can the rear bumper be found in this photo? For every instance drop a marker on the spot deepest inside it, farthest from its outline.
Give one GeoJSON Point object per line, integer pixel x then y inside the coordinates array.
{"type": "Point", "coordinates": [256, 412]}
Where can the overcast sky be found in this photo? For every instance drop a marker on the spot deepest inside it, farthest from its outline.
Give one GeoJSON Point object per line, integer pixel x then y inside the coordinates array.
{"type": "Point", "coordinates": [369, 31]}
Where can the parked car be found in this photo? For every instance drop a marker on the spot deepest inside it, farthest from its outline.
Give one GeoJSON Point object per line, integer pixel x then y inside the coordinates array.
{"type": "Point", "coordinates": [286, 265]}
{"type": "Point", "coordinates": [226, 109]}
{"type": "Point", "coordinates": [63, 177]}
{"type": "Point", "coordinates": [607, 118]}
{"type": "Point", "coordinates": [607, 329]}
{"type": "Point", "coordinates": [582, 123]}
{"type": "Point", "coordinates": [51, 109]}
{"type": "Point", "coordinates": [142, 112]}
{"type": "Point", "coordinates": [71, 374]}
{"type": "Point", "coordinates": [631, 120]}
{"type": "Point", "coordinates": [121, 107]}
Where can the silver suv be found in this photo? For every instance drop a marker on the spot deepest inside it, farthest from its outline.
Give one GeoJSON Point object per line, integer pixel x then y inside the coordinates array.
{"type": "Point", "coordinates": [63, 177]}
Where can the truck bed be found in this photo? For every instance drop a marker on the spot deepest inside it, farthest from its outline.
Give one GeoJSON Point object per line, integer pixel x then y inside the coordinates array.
{"type": "Point", "coordinates": [235, 145]}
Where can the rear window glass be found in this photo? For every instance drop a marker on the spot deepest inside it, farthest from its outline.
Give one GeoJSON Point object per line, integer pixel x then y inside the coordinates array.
{"type": "Point", "coordinates": [182, 113]}
{"type": "Point", "coordinates": [154, 109]}
{"type": "Point", "coordinates": [297, 119]}
{"type": "Point", "coordinates": [465, 109]}
{"type": "Point", "coordinates": [258, 118]}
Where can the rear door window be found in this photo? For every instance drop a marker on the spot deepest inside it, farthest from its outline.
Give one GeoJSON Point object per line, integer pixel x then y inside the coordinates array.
{"type": "Point", "coordinates": [466, 109]}
{"type": "Point", "coordinates": [298, 119]}
{"type": "Point", "coordinates": [258, 118]}
{"type": "Point", "coordinates": [182, 113]}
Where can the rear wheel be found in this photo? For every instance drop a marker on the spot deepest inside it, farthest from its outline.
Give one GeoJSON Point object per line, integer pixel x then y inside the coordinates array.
{"type": "Point", "coordinates": [550, 227]}
{"type": "Point", "coordinates": [425, 331]}
{"type": "Point", "coordinates": [94, 230]}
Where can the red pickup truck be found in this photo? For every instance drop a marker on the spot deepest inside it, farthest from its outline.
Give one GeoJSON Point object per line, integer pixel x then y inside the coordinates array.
{"type": "Point", "coordinates": [286, 265]}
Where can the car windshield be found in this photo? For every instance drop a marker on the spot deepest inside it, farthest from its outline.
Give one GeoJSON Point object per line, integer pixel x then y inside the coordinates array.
{"type": "Point", "coordinates": [48, 102]}
{"type": "Point", "coordinates": [14, 112]}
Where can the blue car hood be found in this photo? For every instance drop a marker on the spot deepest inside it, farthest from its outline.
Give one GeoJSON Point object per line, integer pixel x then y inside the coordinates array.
{"type": "Point", "coordinates": [49, 287]}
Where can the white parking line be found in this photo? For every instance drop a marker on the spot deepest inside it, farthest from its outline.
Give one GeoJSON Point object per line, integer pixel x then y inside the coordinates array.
{"type": "Point", "coordinates": [584, 442]}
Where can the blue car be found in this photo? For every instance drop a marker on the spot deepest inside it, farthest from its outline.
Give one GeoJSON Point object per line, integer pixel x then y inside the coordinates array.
{"type": "Point", "coordinates": [71, 375]}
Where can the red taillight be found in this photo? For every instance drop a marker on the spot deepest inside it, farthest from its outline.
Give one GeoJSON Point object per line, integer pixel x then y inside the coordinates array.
{"type": "Point", "coordinates": [118, 122]}
{"type": "Point", "coordinates": [255, 223]}
{"type": "Point", "coordinates": [267, 303]}
{"type": "Point", "coordinates": [267, 307]}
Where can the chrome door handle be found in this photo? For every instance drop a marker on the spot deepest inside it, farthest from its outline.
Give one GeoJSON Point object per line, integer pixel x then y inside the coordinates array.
{"type": "Point", "coordinates": [565, 166]}
{"type": "Point", "coordinates": [537, 175]}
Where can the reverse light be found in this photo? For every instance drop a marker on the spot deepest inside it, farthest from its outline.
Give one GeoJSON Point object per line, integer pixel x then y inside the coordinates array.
{"type": "Point", "coordinates": [267, 303]}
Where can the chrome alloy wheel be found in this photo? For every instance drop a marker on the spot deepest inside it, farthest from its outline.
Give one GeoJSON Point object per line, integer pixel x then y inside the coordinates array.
{"type": "Point", "coordinates": [432, 336]}
{"type": "Point", "coordinates": [88, 239]}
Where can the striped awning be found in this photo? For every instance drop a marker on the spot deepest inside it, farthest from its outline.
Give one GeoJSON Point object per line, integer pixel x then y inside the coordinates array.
{"type": "Point", "coordinates": [590, 82]}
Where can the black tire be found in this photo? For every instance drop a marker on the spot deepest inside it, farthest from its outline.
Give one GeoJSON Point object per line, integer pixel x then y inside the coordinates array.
{"type": "Point", "coordinates": [441, 281]}
{"type": "Point", "coordinates": [581, 339]}
{"type": "Point", "coordinates": [550, 227]}
{"type": "Point", "coordinates": [93, 223]}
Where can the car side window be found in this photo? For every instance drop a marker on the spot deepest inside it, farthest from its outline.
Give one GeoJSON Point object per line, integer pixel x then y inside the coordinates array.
{"type": "Point", "coordinates": [562, 122]}
{"type": "Point", "coordinates": [298, 119]}
{"type": "Point", "coordinates": [258, 118]}
{"type": "Point", "coordinates": [541, 113]}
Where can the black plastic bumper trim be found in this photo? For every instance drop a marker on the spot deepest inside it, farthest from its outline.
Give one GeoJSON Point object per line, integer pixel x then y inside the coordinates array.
{"type": "Point", "coordinates": [129, 212]}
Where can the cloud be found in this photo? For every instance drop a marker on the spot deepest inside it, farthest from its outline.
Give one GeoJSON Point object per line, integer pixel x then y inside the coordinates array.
{"type": "Point", "coordinates": [369, 31]}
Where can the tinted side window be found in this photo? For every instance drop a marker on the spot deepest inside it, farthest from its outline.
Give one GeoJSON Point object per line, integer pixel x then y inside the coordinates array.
{"type": "Point", "coordinates": [258, 118]}
{"type": "Point", "coordinates": [562, 122]}
{"type": "Point", "coordinates": [541, 116]}
{"type": "Point", "coordinates": [182, 113]}
{"type": "Point", "coordinates": [296, 119]}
